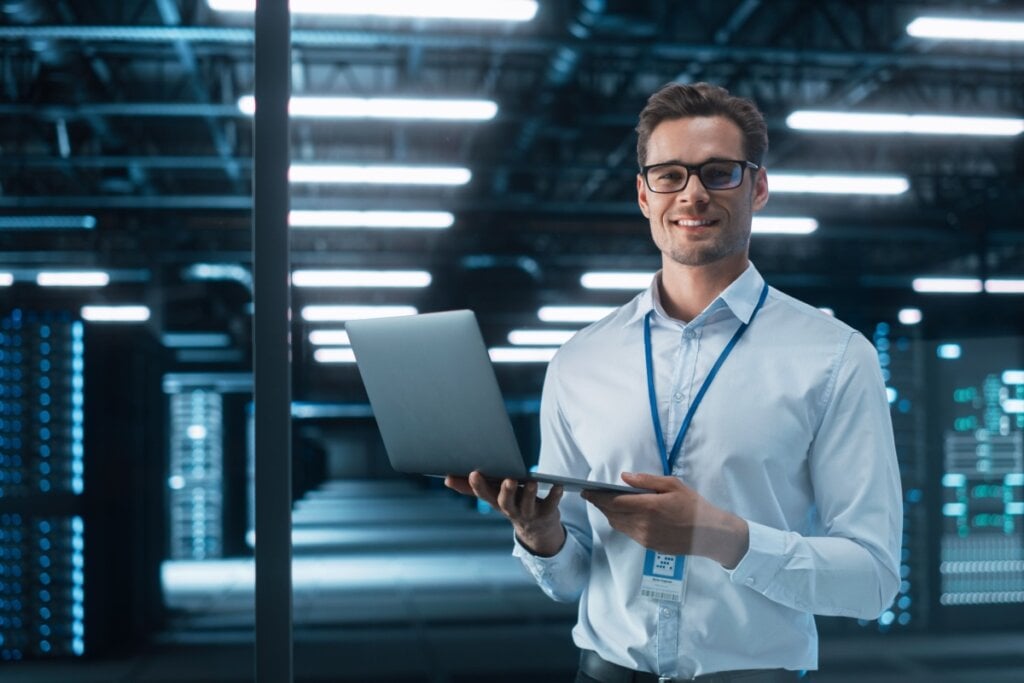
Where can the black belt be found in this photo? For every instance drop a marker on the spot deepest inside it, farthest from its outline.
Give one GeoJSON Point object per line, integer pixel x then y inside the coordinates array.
{"type": "Point", "coordinates": [606, 672]}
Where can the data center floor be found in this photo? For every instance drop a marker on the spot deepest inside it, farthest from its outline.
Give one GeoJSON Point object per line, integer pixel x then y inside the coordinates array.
{"type": "Point", "coordinates": [396, 584]}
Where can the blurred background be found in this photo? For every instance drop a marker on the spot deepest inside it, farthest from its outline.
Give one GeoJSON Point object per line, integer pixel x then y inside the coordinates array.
{"type": "Point", "coordinates": [466, 155]}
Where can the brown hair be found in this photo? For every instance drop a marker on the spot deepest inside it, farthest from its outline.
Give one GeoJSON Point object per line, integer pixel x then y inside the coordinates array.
{"type": "Point", "coordinates": [677, 101]}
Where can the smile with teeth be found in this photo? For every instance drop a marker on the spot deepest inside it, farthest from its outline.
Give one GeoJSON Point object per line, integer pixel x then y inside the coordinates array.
{"type": "Point", "coordinates": [694, 223]}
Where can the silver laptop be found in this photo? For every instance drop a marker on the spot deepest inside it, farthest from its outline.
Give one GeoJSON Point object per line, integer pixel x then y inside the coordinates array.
{"type": "Point", "coordinates": [437, 402]}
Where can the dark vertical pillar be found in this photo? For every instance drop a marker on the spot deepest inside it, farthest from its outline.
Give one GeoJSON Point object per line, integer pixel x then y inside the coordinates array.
{"type": "Point", "coordinates": [271, 356]}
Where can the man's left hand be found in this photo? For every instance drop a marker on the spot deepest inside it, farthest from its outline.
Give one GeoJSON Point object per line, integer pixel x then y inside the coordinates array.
{"type": "Point", "coordinates": [674, 520]}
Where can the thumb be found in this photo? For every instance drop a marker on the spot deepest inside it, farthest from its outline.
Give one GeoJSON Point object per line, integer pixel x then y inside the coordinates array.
{"type": "Point", "coordinates": [650, 481]}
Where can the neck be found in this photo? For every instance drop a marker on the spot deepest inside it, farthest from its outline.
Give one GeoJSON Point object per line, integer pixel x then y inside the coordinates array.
{"type": "Point", "coordinates": [688, 290]}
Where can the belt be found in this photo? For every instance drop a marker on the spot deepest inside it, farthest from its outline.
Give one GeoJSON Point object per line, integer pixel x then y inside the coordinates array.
{"type": "Point", "coordinates": [606, 672]}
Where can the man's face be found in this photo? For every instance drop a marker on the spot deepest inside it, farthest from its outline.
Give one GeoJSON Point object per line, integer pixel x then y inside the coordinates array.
{"type": "Point", "coordinates": [695, 227]}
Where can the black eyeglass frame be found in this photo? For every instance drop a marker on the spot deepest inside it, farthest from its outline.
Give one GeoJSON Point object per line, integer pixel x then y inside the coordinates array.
{"type": "Point", "coordinates": [695, 169]}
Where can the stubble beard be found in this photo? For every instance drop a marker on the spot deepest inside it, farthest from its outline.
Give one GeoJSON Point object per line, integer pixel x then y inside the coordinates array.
{"type": "Point", "coordinates": [705, 253]}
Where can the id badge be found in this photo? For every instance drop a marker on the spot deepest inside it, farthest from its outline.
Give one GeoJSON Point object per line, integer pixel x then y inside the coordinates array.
{"type": "Point", "coordinates": [663, 577]}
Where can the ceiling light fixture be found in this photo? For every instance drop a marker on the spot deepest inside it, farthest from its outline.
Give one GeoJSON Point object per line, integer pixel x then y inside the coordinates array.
{"type": "Point", "coordinates": [422, 220]}
{"type": "Point", "coordinates": [115, 314]}
{"type": "Point", "coordinates": [195, 340]}
{"type": "Point", "coordinates": [48, 278]}
{"type": "Point", "coordinates": [539, 337]}
{"type": "Point", "coordinates": [1004, 286]}
{"type": "Point", "coordinates": [378, 175]}
{"type": "Point", "coordinates": [341, 355]}
{"type": "Point", "coordinates": [382, 108]}
{"type": "Point", "coordinates": [47, 222]}
{"type": "Point", "coordinates": [946, 285]}
{"type": "Point", "coordinates": [328, 313]}
{"type": "Point", "coordinates": [329, 338]}
{"type": "Point", "coordinates": [616, 280]}
{"type": "Point", "coordinates": [829, 183]}
{"type": "Point", "coordinates": [361, 278]}
{"type": "Point", "coordinates": [776, 225]}
{"type": "Point", "coordinates": [6, 279]}
{"type": "Point", "coordinates": [519, 354]}
{"type": "Point", "coordinates": [950, 28]}
{"type": "Point", "coordinates": [910, 316]}
{"type": "Point", "coordinates": [916, 124]}
{"type": "Point", "coordinates": [492, 10]}
{"type": "Point", "coordinates": [573, 314]}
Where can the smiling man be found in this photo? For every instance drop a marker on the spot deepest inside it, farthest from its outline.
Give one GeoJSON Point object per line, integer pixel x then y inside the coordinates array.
{"type": "Point", "coordinates": [760, 425]}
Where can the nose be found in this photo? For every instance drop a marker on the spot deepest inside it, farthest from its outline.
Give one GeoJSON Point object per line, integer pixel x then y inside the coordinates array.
{"type": "Point", "coordinates": [693, 192]}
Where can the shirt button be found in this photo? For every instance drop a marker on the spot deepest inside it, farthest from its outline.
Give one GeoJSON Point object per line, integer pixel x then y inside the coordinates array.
{"type": "Point", "coordinates": [750, 581]}
{"type": "Point", "coordinates": [665, 611]}
{"type": "Point", "coordinates": [677, 397]}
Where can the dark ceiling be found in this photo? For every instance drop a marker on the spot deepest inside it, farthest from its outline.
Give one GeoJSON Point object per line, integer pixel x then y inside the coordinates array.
{"type": "Point", "coordinates": [127, 111]}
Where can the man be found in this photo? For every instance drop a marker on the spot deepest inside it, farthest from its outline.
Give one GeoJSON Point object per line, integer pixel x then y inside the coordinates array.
{"type": "Point", "coordinates": [760, 425]}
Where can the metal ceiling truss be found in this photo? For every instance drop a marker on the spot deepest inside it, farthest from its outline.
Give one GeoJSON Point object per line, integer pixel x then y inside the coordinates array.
{"type": "Point", "coordinates": [128, 111]}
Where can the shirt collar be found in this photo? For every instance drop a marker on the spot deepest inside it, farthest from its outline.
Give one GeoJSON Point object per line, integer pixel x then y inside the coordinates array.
{"type": "Point", "coordinates": [740, 296]}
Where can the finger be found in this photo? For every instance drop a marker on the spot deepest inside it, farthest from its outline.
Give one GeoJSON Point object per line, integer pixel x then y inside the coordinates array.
{"type": "Point", "coordinates": [527, 499]}
{"type": "Point", "coordinates": [483, 490]}
{"type": "Point", "coordinates": [652, 482]}
{"type": "Point", "coordinates": [601, 499]}
{"type": "Point", "coordinates": [459, 484]}
{"type": "Point", "coordinates": [507, 502]}
{"type": "Point", "coordinates": [550, 502]}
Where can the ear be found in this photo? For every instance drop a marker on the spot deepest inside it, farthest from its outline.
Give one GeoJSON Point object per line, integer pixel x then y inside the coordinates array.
{"type": "Point", "coordinates": [760, 189]}
{"type": "Point", "coordinates": [641, 195]}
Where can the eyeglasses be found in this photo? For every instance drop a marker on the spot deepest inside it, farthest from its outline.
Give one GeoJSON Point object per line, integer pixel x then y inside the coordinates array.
{"type": "Point", "coordinates": [716, 174]}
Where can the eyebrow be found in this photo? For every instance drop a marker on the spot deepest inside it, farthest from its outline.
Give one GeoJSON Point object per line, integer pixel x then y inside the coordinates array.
{"type": "Point", "coordinates": [683, 163]}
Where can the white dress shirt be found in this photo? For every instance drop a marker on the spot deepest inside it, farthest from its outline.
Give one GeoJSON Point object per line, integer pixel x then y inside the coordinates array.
{"type": "Point", "coordinates": [793, 435]}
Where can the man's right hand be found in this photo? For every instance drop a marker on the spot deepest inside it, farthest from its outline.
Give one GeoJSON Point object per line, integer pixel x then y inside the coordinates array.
{"type": "Point", "coordinates": [536, 521]}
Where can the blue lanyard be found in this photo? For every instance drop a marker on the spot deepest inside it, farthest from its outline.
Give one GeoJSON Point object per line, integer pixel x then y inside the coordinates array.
{"type": "Point", "coordinates": [668, 459]}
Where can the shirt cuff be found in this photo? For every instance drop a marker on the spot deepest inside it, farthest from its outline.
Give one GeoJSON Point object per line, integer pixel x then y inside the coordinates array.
{"type": "Point", "coordinates": [765, 556]}
{"type": "Point", "coordinates": [542, 566]}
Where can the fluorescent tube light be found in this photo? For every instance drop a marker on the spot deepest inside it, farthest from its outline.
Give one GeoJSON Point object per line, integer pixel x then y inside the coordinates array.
{"type": "Point", "coordinates": [910, 316]}
{"type": "Point", "coordinates": [620, 280]}
{"type": "Point", "coordinates": [341, 355]}
{"type": "Point", "coordinates": [539, 337]}
{"type": "Point", "coordinates": [573, 314]}
{"type": "Point", "coordinates": [491, 10]}
{"type": "Point", "coordinates": [1004, 286]}
{"type": "Point", "coordinates": [917, 124]}
{"type": "Point", "coordinates": [72, 279]}
{"type": "Point", "coordinates": [47, 222]}
{"type": "Point", "coordinates": [946, 285]}
{"type": "Point", "coordinates": [946, 28]}
{"type": "Point", "coordinates": [195, 340]}
{"type": "Point", "coordinates": [378, 175]}
{"type": "Point", "coordinates": [772, 225]}
{"type": "Point", "coordinates": [1013, 406]}
{"type": "Point", "coordinates": [948, 351]}
{"type": "Point", "coordinates": [519, 354]}
{"type": "Point", "coordinates": [327, 313]}
{"type": "Point", "coordinates": [116, 314]}
{"type": "Point", "coordinates": [827, 183]}
{"type": "Point", "coordinates": [361, 278]}
{"type": "Point", "coordinates": [6, 279]}
{"type": "Point", "coordinates": [1013, 377]}
{"type": "Point", "coordinates": [382, 108]}
{"type": "Point", "coordinates": [423, 220]}
{"type": "Point", "coordinates": [329, 338]}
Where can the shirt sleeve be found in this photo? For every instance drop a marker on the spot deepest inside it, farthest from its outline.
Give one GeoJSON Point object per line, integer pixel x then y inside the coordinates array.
{"type": "Point", "coordinates": [853, 569]}
{"type": "Point", "coordinates": [564, 575]}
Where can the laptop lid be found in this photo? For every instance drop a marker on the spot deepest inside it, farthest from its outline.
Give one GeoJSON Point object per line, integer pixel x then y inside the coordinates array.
{"type": "Point", "coordinates": [435, 395]}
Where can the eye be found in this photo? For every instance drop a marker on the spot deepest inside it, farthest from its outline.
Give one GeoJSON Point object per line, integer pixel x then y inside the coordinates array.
{"type": "Point", "coordinates": [717, 173]}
